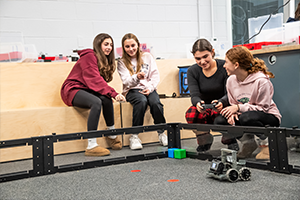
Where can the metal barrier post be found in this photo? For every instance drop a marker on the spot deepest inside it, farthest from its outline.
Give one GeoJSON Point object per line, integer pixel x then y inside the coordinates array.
{"type": "Point", "coordinates": [278, 151]}
{"type": "Point", "coordinates": [174, 135]}
{"type": "Point", "coordinates": [37, 156]}
{"type": "Point", "coordinates": [48, 155]}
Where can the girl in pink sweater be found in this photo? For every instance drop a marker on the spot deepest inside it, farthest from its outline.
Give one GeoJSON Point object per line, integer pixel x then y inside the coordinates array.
{"type": "Point", "coordinates": [250, 94]}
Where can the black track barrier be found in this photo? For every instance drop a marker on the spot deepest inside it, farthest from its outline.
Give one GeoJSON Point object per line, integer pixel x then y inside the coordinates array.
{"type": "Point", "coordinates": [43, 151]}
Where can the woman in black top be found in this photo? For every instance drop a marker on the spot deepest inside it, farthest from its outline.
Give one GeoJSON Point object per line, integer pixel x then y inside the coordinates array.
{"type": "Point", "coordinates": [207, 85]}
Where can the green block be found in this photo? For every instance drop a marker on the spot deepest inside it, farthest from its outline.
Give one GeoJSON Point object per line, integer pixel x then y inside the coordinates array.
{"type": "Point", "coordinates": [179, 153]}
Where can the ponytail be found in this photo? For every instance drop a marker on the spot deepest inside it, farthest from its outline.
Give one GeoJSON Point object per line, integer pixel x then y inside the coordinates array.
{"type": "Point", "coordinates": [259, 65]}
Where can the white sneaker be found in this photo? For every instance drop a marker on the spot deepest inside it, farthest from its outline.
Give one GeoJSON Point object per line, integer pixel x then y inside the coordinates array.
{"type": "Point", "coordinates": [135, 142]}
{"type": "Point", "coordinates": [163, 139]}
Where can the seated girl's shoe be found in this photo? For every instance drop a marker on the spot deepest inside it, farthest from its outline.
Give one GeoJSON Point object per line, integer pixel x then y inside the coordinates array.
{"type": "Point", "coordinates": [202, 148]}
{"type": "Point", "coordinates": [233, 146]}
{"type": "Point", "coordinates": [135, 142]}
{"type": "Point", "coordinates": [115, 144]}
{"type": "Point", "coordinates": [97, 151]}
{"type": "Point", "coordinates": [247, 149]}
{"type": "Point", "coordinates": [163, 139]}
{"type": "Point", "coordinates": [264, 153]}
{"type": "Point", "coordinates": [204, 141]}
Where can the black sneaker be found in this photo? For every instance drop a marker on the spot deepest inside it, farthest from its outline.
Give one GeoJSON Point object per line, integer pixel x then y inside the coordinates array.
{"type": "Point", "coordinates": [234, 146]}
{"type": "Point", "coordinates": [204, 141]}
{"type": "Point", "coordinates": [202, 148]}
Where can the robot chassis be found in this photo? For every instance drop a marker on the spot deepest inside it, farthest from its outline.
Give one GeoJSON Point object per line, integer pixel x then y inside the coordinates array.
{"type": "Point", "coordinates": [229, 168]}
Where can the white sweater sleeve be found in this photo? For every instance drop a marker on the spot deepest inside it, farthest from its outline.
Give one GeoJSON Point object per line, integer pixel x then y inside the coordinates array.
{"type": "Point", "coordinates": [128, 80]}
{"type": "Point", "coordinates": [153, 77]}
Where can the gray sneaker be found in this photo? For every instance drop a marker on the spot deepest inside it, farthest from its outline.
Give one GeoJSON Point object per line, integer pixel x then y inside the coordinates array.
{"type": "Point", "coordinates": [247, 149]}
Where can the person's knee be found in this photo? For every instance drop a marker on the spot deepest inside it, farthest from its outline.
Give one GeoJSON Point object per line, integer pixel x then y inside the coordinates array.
{"type": "Point", "coordinates": [244, 118]}
{"type": "Point", "coordinates": [156, 106]}
{"type": "Point", "coordinates": [96, 105]}
{"type": "Point", "coordinates": [191, 114]}
{"type": "Point", "coordinates": [220, 120]}
{"type": "Point", "coordinates": [142, 104]}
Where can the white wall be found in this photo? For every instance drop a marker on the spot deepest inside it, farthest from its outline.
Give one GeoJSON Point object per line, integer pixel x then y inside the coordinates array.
{"type": "Point", "coordinates": [59, 26]}
{"type": "Point", "coordinates": [215, 24]}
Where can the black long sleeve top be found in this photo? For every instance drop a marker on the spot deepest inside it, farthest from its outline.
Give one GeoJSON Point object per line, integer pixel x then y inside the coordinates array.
{"type": "Point", "coordinates": [207, 89]}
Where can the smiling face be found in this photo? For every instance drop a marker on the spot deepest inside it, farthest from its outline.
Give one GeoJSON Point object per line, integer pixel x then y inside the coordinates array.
{"type": "Point", "coordinates": [131, 47]}
{"type": "Point", "coordinates": [204, 59]}
{"type": "Point", "coordinates": [107, 46]}
{"type": "Point", "coordinates": [229, 66]}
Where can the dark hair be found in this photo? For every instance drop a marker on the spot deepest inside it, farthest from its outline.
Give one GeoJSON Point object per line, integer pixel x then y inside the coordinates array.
{"type": "Point", "coordinates": [106, 64]}
{"type": "Point", "coordinates": [246, 60]}
{"type": "Point", "coordinates": [127, 59]}
{"type": "Point", "coordinates": [202, 45]}
{"type": "Point", "coordinates": [297, 12]}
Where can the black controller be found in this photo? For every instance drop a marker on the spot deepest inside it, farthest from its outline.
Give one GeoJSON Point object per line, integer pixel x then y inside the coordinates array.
{"type": "Point", "coordinates": [207, 106]}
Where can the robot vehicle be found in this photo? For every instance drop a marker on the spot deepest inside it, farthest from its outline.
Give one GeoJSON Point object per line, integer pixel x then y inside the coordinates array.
{"type": "Point", "coordinates": [229, 168]}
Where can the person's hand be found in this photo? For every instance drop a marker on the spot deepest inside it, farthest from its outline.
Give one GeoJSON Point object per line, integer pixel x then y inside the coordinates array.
{"type": "Point", "coordinates": [199, 107]}
{"type": "Point", "coordinates": [141, 75]}
{"type": "Point", "coordinates": [145, 92]}
{"type": "Point", "coordinates": [120, 97]}
{"type": "Point", "coordinates": [230, 110]}
{"type": "Point", "coordinates": [232, 118]}
{"type": "Point", "coordinates": [219, 105]}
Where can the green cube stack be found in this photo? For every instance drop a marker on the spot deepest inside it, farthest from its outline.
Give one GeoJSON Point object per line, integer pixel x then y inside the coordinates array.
{"type": "Point", "coordinates": [179, 153]}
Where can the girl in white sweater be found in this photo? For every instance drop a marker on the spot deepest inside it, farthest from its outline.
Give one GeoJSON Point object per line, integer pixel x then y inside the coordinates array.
{"type": "Point", "coordinates": [140, 78]}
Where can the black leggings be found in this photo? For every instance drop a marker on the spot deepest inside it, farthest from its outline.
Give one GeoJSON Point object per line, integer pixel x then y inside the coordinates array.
{"type": "Point", "coordinates": [94, 101]}
{"type": "Point", "coordinates": [251, 118]}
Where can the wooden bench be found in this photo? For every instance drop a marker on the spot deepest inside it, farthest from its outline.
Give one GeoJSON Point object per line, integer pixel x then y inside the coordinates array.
{"type": "Point", "coordinates": [31, 105]}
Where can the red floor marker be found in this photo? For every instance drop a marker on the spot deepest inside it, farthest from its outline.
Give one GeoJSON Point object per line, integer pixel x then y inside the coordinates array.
{"type": "Point", "coordinates": [135, 170]}
{"type": "Point", "coordinates": [173, 180]}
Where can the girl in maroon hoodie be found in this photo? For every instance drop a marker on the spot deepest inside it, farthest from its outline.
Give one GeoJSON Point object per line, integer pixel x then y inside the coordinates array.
{"type": "Point", "coordinates": [86, 87]}
{"type": "Point", "coordinates": [250, 94]}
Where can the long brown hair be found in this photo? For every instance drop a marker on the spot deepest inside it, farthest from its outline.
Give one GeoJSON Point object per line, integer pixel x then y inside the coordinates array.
{"type": "Point", "coordinates": [297, 12]}
{"type": "Point", "coordinates": [127, 59]}
{"type": "Point", "coordinates": [246, 61]}
{"type": "Point", "coordinates": [106, 64]}
{"type": "Point", "coordinates": [203, 45]}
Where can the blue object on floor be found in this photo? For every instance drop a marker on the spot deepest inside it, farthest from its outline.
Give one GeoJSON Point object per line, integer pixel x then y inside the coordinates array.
{"type": "Point", "coordinates": [171, 152]}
